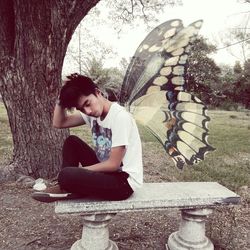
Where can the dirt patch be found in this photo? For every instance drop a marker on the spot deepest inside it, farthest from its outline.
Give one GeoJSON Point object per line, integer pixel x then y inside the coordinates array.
{"type": "Point", "coordinates": [26, 224]}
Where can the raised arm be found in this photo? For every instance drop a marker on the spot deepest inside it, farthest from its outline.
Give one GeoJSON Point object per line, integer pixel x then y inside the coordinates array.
{"type": "Point", "coordinates": [62, 120]}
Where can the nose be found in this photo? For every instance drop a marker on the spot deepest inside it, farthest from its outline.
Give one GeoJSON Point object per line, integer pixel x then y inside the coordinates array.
{"type": "Point", "coordinates": [87, 111]}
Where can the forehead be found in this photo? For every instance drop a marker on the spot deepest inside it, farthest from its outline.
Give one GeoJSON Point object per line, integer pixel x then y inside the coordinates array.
{"type": "Point", "coordinates": [83, 99]}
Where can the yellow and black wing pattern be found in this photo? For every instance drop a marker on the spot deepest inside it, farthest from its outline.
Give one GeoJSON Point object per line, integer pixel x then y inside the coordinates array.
{"type": "Point", "coordinates": [154, 89]}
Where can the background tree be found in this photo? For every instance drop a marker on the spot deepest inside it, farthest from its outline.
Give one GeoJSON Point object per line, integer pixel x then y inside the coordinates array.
{"type": "Point", "coordinates": [77, 56]}
{"type": "Point", "coordinates": [241, 85]}
{"type": "Point", "coordinates": [236, 39]}
{"type": "Point", "coordinates": [34, 38]}
{"type": "Point", "coordinates": [109, 79]}
{"type": "Point", "coordinates": [203, 73]}
{"type": "Point", "coordinates": [235, 86]}
{"type": "Point", "coordinates": [226, 87]}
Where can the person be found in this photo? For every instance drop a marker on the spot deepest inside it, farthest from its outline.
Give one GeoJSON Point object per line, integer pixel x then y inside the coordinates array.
{"type": "Point", "coordinates": [113, 170]}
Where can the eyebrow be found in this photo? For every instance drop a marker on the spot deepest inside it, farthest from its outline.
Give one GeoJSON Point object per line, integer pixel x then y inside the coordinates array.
{"type": "Point", "coordinates": [84, 103]}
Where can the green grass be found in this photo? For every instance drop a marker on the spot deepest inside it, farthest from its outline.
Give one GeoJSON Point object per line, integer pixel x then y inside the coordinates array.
{"type": "Point", "coordinates": [229, 164]}
{"type": "Point", "coordinates": [83, 132]}
{"type": "Point", "coordinates": [6, 143]}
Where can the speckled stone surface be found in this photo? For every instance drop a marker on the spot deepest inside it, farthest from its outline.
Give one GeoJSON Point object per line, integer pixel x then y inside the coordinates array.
{"type": "Point", "coordinates": [153, 196]}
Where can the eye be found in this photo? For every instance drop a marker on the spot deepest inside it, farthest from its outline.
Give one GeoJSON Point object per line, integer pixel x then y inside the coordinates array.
{"type": "Point", "coordinates": [87, 104]}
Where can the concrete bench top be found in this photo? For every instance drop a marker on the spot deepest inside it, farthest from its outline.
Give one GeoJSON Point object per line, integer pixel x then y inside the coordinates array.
{"type": "Point", "coordinates": [156, 196]}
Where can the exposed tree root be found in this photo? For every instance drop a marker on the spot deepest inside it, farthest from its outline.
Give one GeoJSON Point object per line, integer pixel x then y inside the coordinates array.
{"type": "Point", "coordinates": [8, 173]}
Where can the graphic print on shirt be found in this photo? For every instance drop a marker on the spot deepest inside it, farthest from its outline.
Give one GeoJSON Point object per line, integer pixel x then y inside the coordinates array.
{"type": "Point", "coordinates": [102, 141]}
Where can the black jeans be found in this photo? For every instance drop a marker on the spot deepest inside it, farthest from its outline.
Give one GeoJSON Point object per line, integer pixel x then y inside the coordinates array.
{"type": "Point", "coordinates": [87, 183]}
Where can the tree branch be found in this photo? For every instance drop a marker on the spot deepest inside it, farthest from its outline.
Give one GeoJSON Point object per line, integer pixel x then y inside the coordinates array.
{"type": "Point", "coordinates": [129, 9]}
{"type": "Point", "coordinates": [229, 45]}
{"type": "Point", "coordinates": [245, 34]}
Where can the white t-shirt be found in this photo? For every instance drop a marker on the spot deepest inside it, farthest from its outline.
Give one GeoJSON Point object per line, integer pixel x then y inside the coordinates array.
{"type": "Point", "coordinates": [118, 128]}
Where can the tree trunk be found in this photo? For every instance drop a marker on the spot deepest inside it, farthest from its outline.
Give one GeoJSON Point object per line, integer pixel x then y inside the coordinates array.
{"type": "Point", "coordinates": [34, 38]}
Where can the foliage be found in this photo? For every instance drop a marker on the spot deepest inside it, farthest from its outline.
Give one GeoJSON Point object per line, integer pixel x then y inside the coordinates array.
{"type": "Point", "coordinates": [236, 84]}
{"type": "Point", "coordinates": [237, 68]}
{"type": "Point", "coordinates": [243, 86]}
{"type": "Point", "coordinates": [226, 87]}
{"type": "Point", "coordinates": [243, 37]}
{"type": "Point", "coordinates": [78, 57]}
{"type": "Point", "coordinates": [109, 80]}
{"type": "Point", "coordinates": [94, 68]}
{"type": "Point", "coordinates": [203, 73]}
{"type": "Point", "coordinates": [234, 88]}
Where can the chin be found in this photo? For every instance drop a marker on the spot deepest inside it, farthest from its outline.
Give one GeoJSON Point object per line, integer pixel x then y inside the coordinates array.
{"type": "Point", "coordinates": [95, 115]}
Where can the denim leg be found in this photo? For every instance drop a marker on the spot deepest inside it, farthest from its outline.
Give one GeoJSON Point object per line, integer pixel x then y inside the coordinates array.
{"type": "Point", "coordinates": [76, 151]}
{"type": "Point", "coordinates": [107, 186]}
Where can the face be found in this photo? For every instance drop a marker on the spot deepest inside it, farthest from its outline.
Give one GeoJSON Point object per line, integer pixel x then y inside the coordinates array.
{"type": "Point", "coordinates": [90, 105]}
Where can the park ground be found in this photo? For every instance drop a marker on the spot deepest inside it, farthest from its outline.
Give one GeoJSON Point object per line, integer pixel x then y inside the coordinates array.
{"type": "Point", "coordinates": [26, 224]}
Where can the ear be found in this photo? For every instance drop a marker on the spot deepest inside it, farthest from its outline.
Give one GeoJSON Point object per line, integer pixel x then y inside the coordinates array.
{"type": "Point", "coordinates": [98, 92]}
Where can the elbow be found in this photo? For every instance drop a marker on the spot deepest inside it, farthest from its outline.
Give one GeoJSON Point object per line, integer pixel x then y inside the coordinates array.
{"type": "Point", "coordinates": [56, 125]}
{"type": "Point", "coordinates": [114, 166]}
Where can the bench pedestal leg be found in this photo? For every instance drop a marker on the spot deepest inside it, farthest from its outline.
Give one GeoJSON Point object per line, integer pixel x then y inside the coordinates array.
{"type": "Point", "coordinates": [191, 234]}
{"type": "Point", "coordinates": [95, 234]}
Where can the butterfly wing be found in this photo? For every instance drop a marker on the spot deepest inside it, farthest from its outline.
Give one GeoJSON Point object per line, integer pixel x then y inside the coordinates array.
{"type": "Point", "coordinates": [147, 60]}
{"type": "Point", "coordinates": [155, 90]}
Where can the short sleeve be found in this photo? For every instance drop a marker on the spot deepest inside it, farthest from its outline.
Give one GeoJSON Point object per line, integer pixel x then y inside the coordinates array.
{"type": "Point", "coordinates": [86, 118]}
{"type": "Point", "coordinates": [121, 127]}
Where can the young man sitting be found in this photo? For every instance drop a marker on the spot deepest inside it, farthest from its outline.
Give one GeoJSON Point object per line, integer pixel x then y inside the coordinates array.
{"type": "Point", "coordinates": [113, 170]}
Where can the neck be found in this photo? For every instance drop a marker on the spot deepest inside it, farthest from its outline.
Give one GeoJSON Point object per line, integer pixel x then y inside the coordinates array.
{"type": "Point", "coordinates": [106, 107]}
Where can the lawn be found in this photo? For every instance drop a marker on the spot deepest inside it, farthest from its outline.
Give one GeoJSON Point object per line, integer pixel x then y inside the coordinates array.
{"type": "Point", "coordinates": [229, 164]}
{"type": "Point", "coordinates": [6, 144]}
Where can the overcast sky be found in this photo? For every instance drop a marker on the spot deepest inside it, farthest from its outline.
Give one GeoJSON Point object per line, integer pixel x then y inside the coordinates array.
{"type": "Point", "coordinates": [218, 16]}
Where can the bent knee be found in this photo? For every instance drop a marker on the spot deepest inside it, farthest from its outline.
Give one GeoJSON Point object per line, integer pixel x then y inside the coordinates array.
{"type": "Point", "coordinates": [64, 176]}
{"type": "Point", "coordinates": [71, 139]}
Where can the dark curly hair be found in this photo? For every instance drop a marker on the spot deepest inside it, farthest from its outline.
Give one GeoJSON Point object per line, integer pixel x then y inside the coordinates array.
{"type": "Point", "coordinates": [76, 85]}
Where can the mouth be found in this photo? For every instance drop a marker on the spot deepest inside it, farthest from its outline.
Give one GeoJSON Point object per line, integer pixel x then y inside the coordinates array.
{"type": "Point", "coordinates": [93, 115]}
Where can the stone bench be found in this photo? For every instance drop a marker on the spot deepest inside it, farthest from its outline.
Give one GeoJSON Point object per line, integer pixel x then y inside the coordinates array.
{"type": "Point", "coordinates": [195, 199]}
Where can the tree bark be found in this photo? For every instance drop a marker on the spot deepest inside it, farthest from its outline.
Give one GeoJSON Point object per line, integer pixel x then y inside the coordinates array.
{"type": "Point", "coordinates": [34, 38]}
